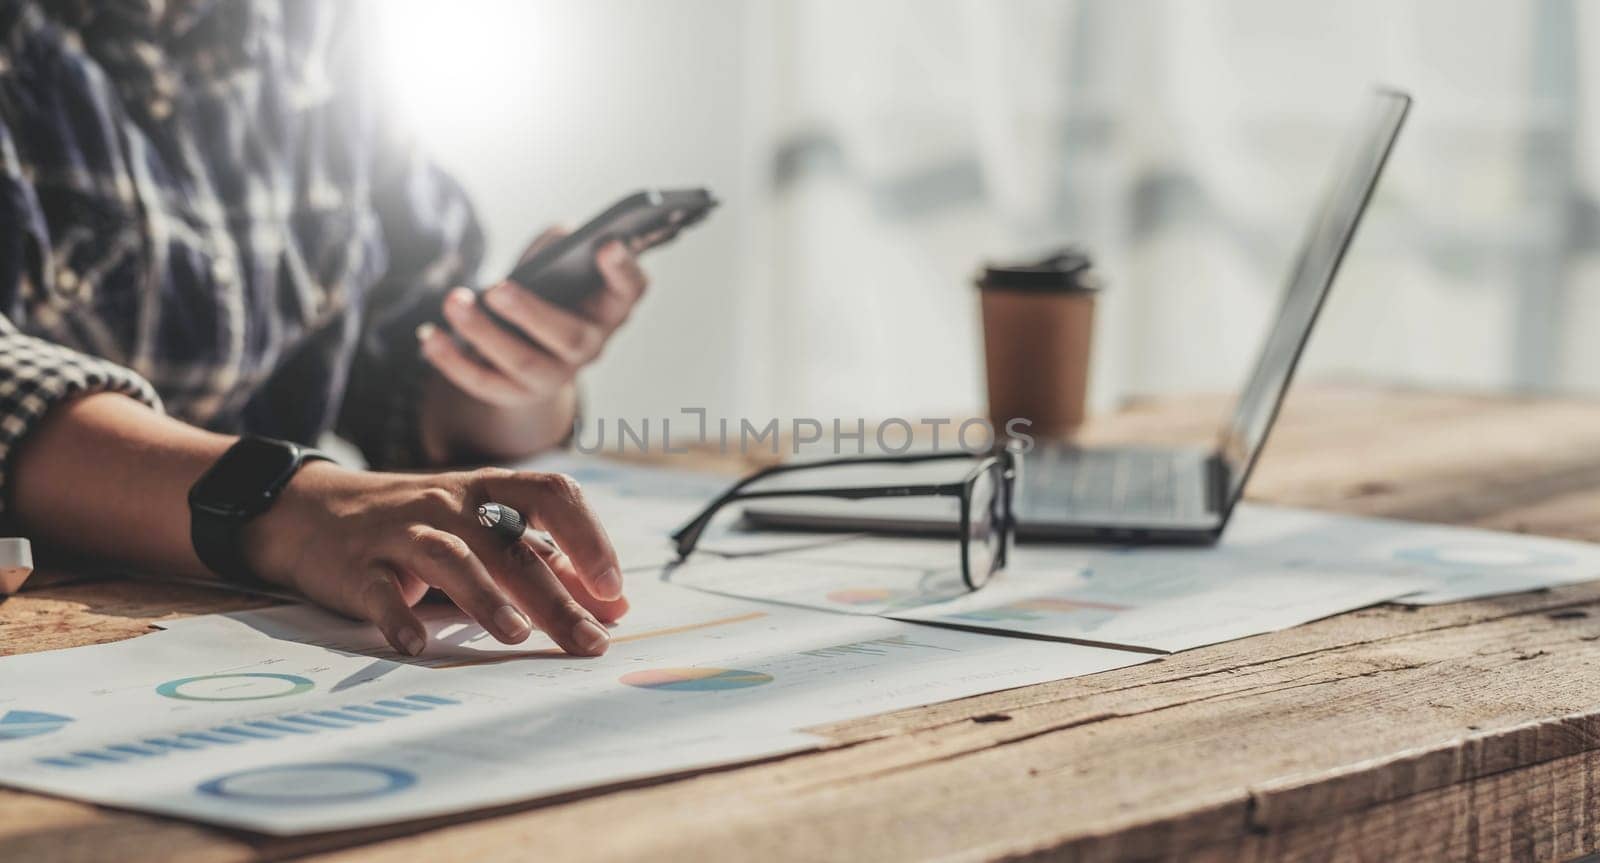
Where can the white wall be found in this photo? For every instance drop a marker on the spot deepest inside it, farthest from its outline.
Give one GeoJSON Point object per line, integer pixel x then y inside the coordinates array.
{"type": "Point", "coordinates": [815, 297]}
{"type": "Point", "coordinates": [548, 110]}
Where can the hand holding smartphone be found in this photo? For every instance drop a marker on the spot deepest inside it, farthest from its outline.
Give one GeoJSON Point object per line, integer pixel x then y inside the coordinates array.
{"type": "Point", "coordinates": [564, 272]}
{"type": "Point", "coordinates": [523, 341]}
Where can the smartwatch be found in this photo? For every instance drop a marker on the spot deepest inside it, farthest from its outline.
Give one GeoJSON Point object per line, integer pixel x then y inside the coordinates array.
{"type": "Point", "coordinates": [243, 484]}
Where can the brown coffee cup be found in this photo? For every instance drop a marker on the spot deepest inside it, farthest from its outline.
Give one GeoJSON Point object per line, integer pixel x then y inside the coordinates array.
{"type": "Point", "coordinates": [1038, 323]}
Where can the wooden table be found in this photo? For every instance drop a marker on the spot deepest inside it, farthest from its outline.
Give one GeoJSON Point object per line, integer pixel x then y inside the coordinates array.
{"type": "Point", "coordinates": [1466, 731]}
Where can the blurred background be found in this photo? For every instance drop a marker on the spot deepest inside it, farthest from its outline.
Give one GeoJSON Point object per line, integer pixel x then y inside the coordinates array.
{"type": "Point", "coordinates": [872, 153]}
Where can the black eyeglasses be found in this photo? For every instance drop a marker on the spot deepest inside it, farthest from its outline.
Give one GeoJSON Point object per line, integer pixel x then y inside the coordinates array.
{"type": "Point", "coordinates": [986, 526]}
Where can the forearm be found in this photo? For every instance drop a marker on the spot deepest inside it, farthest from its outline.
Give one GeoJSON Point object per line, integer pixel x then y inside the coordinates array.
{"type": "Point", "coordinates": [106, 477]}
{"type": "Point", "coordinates": [103, 475]}
{"type": "Point", "coordinates": [459, 429]}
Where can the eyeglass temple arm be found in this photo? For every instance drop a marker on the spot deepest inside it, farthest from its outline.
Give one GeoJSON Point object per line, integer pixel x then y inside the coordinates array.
{"type": "Point", "coordinates": [734, 490]}
{"type": "Point", "coordinates": [689, 534]}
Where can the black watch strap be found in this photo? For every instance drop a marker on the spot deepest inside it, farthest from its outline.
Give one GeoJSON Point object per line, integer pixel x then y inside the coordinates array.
{"type": "Point", "coordinates": [217, 520]}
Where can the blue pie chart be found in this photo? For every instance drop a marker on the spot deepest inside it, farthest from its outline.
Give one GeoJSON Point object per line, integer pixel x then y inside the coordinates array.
{"type": "Point", "coordinates": [17, 724]}
{"type": "Point", "coordinates": [242, 686]}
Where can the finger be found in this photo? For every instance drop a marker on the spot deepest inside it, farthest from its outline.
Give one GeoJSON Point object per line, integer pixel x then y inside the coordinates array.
{"type": "Point", "coordinates": [550, 235]}
{"type": "Point", "coordinates": [605, 610]}
{"type": "Point", "coordinates": [525, 575]}
{"type": "Point", "coordinates": [478, 380]}
{"type": "Point", "coordinates": [621, 270]}
{"type": "Point", "coordinates": [445, 561]}
{"type": "Point", "coordinates": [509, 354]}
{"type": "Point", "coordinates": [553, 502]}
{"type": "Point", "coordinates": [570, 338]}
{"type": "Point", "coordinates": [384, 604]}
{"type": "Point", "coordinates": [624, 283]}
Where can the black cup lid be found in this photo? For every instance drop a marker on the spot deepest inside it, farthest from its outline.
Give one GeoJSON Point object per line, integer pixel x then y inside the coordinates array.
{"type": "Point", "coordinates": [1065, 271]}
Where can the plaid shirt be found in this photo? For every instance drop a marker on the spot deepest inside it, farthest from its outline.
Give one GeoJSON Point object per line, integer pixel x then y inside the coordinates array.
{"type": "Point", "coordinates": [201, 206]}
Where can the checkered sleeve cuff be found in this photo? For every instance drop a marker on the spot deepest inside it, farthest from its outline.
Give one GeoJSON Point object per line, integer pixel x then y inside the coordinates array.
{"type": "Point", "coordinates": [35, 375]}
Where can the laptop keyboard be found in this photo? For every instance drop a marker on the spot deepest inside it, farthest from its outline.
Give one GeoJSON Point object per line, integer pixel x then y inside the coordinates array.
{"type": "Point", "coordinates": [1156, 483]}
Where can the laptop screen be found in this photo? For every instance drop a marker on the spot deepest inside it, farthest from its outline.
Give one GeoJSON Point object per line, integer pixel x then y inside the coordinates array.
{"type": "Point", "coordinates": [1315, 266]}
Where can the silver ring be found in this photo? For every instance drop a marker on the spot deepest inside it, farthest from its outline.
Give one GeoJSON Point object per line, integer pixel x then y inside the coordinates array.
{"type": "Point", "coordinates": [502, 519]}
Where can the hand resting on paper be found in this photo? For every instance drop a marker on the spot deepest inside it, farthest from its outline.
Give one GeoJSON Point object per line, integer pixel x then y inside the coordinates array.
{"type": "Point", "coordinates": [371, 544]}
{"type": "Point", "coordinates": [367, 544]}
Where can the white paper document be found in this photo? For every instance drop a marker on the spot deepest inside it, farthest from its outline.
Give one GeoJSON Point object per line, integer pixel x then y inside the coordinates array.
{"type": "Point", "coordinates": [216, 720]}
{"type": "Point", "coordinates": [1162, 601]}
{"type": "Point", "coordinates": [456, 641]}
{"type": "Point", "coordinates": [1451, 563]}
{"type": "Point", "coordinates": [1143, 599]}
{"type": "Point", "coordinates": [1275, 567]}
{"type": "Point", "coordinates": [206, 723]}
{"type": "Point", "coordinates": [293, 720]}
{"type": "Point", "coordinates": [641, 505]}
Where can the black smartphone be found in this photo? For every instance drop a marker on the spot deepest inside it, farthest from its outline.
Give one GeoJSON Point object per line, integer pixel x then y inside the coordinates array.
{"type": "Point", "coordinates": [565, 273]}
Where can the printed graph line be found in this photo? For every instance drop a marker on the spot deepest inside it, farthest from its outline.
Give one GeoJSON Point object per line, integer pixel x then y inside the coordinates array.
{"type": "Point", "coordinates": [1045, 607]}
{"type": "Point", "coordinates": [875, 647]}
{"type": "Point", "coordinates": [695, 679]}
{"type": "Point", "coordinates": [244, 731]}
{"type": "Point", "coordinates": [492, 658]}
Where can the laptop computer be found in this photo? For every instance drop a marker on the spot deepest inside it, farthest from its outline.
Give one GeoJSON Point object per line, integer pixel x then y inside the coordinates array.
{"type": "Point", "coordinates": [1172, 494]}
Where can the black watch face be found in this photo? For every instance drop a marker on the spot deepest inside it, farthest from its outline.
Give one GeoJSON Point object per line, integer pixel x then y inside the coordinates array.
{"type": "Point", "coordinates": [246, 479]}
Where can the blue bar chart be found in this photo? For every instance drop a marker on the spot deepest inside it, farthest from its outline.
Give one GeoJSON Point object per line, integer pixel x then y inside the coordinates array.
{"type": "Point", "coordinates": [284, 725]}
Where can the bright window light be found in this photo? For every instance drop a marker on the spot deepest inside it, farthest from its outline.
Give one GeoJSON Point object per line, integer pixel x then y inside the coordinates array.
{"type": "Point", "coordinates": [456, 68]}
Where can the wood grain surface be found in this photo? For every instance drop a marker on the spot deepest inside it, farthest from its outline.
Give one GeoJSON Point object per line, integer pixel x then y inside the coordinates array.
{"type": "Point", "coordinates": [1461, 732]}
